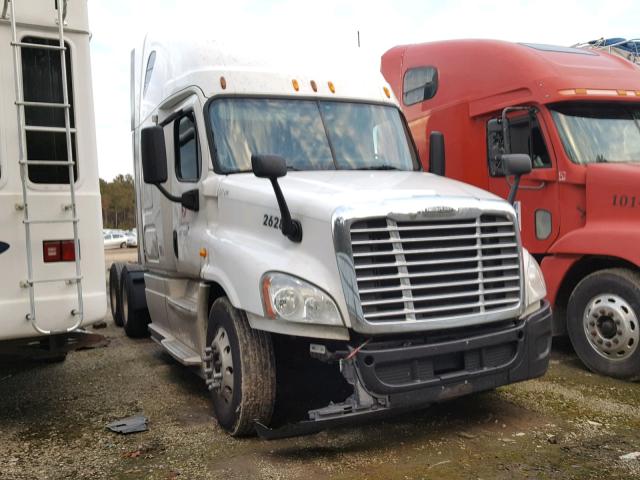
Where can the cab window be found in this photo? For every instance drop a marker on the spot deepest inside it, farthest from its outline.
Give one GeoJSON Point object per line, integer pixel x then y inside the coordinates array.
{"type": "Point", "coordinates": [187, 152]}
{"type": "Point", "coordinates": [419, 84]}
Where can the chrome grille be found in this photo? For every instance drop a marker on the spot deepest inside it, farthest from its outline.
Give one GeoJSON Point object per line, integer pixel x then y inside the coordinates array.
{"type": "Point", "coordinates": [434, 269]}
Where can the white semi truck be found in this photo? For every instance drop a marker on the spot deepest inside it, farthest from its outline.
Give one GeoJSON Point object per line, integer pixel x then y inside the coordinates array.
{"type": "Point", "coordinates": [281, 206]}
{"type": "Point", "coordinates": [51, 254]}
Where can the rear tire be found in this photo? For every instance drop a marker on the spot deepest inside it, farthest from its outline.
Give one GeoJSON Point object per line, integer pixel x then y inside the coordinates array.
{"type": "Point", "coordinates": [123, 245]}
{"type": "Point", "coordinates": [134, 320]}
{"type": "Point", "coordinates": [114, 292]}
{"type": "Point", "coordinates": [603, 321]}
{"type": "Point", "coordinates": [246, 360]}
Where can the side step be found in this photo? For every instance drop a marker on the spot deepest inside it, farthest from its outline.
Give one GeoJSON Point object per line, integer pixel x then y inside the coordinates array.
{"type": "Point", "coordinates": [178, 350]}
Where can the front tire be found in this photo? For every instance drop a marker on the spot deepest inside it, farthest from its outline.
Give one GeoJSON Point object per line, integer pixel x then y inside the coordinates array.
{"type": "Point", "coordinates": [603, 321]}
{"type": "Point", "coordinates": [245, 360]}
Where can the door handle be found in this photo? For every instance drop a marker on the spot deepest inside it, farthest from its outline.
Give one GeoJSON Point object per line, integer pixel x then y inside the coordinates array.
{"type": "Point", "coordinates": [539, 186]}
{"type": "Point", "coordinates": [175, 243]}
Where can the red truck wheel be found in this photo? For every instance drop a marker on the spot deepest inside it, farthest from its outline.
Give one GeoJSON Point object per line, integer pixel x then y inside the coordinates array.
{"type": "Point", "coordinates": [603, 320]}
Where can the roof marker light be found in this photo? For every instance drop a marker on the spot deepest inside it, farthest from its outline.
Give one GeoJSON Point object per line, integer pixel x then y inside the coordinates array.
{"type": "Point", "coordinates": [296, 85]}
{"type": "Point", "coordinates": [596, 91]}
{"type": "Point", "coordinates": [314, 85]}
{"type": "Point", "coordinates": [387, 92]}
{"type": "Point", "coordinates": [332, 87]}
{"type": "Point", "coordinates": [223, 83]}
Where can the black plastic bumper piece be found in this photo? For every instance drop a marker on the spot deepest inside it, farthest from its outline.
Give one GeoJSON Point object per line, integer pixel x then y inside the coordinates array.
{"type": "Point", "coordinates": [431, 372]}
{"type": "Point", "coordinates": [404, 377]}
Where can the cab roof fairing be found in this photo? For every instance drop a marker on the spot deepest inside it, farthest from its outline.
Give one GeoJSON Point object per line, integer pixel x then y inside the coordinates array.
{"type": "Point", "coordinates": [492, 74]}
{"type": "Point", "coordinates": [250, 70]}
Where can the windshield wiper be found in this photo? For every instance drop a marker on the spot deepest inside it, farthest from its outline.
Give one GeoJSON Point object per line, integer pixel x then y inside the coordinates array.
{"type": "Point", "coordinates": [379, 167]}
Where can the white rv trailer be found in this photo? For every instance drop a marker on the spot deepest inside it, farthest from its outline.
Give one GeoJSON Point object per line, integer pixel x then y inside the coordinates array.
{"type": "Point", "coordinates": [51, 253]}
{"type": "Point", "coordinates": [414, 288]}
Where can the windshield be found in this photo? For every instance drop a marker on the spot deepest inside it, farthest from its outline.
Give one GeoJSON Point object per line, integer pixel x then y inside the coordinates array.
{"type": "Point", "coordinates": [309, 134]}
{"type": "Point", "coordinates": [599, 132]}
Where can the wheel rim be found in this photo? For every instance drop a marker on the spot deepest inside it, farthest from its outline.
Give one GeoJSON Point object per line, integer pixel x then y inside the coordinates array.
{"type": "Point", "coordinates": [125, 306]}
{"type": "Point", "coordinates": [223, 364]}
{"type": "Point", "coordinates": [611, 326]}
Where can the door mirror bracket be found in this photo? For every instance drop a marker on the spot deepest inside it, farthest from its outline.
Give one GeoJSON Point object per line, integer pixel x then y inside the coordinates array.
{"type": "Point", "coordinates": [274, 167]}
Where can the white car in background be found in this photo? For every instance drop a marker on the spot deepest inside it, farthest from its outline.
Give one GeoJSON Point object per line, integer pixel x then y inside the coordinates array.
{"type": "Point", "coordinates": [132, 239]}
{"type": "Point", "coordinates": [115, 240]}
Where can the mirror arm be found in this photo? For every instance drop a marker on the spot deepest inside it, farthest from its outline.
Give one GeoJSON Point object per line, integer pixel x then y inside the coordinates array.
{"type": "Point", "coordinates": [514, 189]}
{"type": "Point", "coordinates": [292, 229]}
{"type": "Point", "coordinates": [164, 192]}
{"type": "Point", "coordinates": [188, 200]}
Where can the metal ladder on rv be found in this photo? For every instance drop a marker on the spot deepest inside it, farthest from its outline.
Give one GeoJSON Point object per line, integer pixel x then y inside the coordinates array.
{"type": "Point", "coordinates": [31, 282]}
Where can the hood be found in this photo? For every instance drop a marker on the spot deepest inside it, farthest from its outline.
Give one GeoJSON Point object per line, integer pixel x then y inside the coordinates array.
{"type": "Point", "coordinates": [612, 191]}
{"type": "Point", "coordinates": [317, 194]}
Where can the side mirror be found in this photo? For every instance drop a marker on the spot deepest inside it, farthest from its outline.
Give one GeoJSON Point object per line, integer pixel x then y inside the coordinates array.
{"type": "Point", "coordinates": [154, 155]}
{"type": "Point", "coordinates": [154, 167]}
{"type": "Point", "coordinates": [436, 153]}
{"type": "Point", "coordinates": [268, 166]}
{"type": "Point", "coordinates": [516, 164]}
{"type": "Point", "coordinates": [274, 167]}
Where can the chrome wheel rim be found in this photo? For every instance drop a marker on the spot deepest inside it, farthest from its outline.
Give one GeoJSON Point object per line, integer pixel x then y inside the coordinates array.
{"type": "Point", "coordinates": [223, 364]}
{"type": "Point", "coordinates": [611, 326]}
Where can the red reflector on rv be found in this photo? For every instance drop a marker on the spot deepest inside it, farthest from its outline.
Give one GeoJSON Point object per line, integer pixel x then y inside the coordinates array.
{"type": "Point", "coordinates": [58, 251]}
{"type": "Point", "coordinates": [68, 251]}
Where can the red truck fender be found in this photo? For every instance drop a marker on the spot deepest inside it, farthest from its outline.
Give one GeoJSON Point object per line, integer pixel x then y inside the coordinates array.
{"type": "Point", "coordinates": [593, 240]}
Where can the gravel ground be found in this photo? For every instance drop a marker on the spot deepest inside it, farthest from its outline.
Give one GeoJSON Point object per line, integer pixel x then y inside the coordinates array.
{"type": "Point", "coordinates": [570, 424]}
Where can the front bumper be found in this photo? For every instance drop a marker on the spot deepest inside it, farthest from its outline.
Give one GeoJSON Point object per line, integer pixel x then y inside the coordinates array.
{"type": "Point", "coordinates": [392, 376]}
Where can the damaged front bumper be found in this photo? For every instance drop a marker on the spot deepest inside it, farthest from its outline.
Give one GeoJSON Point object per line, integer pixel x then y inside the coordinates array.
{"type": "Point", "coordinates": [390, 376]}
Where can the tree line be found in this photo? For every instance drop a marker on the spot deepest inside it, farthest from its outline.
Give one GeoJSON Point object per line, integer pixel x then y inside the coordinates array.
{"type": "Point", "coordinates": [118, 202]}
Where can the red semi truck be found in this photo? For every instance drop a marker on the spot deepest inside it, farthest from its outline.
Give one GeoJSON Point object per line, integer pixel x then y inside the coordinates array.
{"type": "Point", "coordinates": [576, 113]}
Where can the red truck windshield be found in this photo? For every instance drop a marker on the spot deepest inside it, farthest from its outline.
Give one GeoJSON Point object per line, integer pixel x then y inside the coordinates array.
{"type": "Point", "coordinates": [599, 132]}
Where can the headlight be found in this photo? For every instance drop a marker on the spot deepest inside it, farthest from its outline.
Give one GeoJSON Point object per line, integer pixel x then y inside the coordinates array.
{"type": "Point", "coordinates": [288, 298]}
{"type": "Point", "coordinates": [535, 287]}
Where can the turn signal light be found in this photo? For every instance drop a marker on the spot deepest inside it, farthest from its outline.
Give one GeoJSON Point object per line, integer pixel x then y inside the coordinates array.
{"type": "Point", "coordinates": [58, 251]}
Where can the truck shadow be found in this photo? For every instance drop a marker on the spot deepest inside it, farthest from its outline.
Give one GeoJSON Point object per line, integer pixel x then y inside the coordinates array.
{"type": "Point", "coordinates": [463, 418]}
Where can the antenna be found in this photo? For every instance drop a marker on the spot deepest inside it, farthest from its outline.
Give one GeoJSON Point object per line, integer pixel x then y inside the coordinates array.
{"type": "Point", "coordinates": [358, 38]}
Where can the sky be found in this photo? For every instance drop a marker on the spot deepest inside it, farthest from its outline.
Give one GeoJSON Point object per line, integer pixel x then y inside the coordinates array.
{"type": "Point", "coordinates": [118, 26]}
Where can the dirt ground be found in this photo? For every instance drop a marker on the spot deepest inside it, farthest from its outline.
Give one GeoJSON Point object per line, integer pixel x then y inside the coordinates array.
{"type": "Point", "coordinates": [570, 424]}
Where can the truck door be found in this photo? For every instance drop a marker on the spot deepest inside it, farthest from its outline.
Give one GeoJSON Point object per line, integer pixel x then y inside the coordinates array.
{"type": "Point", "coordinates": [185, 174]}
{"type": "Point", "coordinates": [538, 193]}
